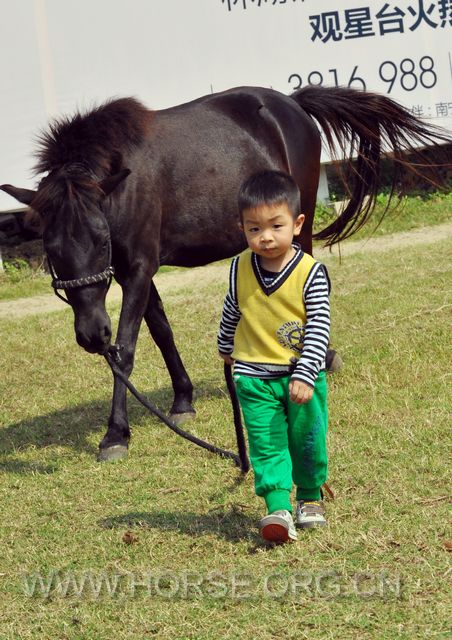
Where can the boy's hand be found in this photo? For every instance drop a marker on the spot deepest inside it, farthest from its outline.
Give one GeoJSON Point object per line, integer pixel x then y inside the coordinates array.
{"type": "Point", "coordinates": [226, 357]}
{"type": "Point", "coordinates": [300, 392]}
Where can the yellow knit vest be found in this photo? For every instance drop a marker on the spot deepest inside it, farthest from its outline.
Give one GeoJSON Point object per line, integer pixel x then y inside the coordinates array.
{"type": "Point", "coordinates": [271, 327]}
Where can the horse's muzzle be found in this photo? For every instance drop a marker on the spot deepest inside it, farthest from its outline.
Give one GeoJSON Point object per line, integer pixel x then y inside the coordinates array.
{"type": "Point", "coordinates": [94, 337]}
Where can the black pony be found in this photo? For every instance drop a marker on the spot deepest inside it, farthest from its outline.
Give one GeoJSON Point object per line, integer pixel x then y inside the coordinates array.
{"type": "Point", "coordinates": [134, 189]}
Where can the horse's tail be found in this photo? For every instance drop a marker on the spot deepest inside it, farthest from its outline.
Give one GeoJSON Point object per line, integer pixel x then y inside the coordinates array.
{"type": "Point", "coordinates": [364, 124]}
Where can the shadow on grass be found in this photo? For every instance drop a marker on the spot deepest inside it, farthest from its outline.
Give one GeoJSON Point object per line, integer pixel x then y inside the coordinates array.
{"type": "Point", "coordinates": [232, 525]}
{"type": "Point", "coordinates": [72, 428]}
{"type": "Point", "coordinates": [10, 465]}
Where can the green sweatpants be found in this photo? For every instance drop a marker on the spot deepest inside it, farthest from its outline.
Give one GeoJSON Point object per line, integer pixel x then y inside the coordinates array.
{"type": "Point", "coordinates": [287, 441]}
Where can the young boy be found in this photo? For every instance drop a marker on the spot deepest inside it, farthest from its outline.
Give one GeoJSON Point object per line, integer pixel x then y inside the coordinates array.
{"type": "Point", "coordinates": [275, 331]}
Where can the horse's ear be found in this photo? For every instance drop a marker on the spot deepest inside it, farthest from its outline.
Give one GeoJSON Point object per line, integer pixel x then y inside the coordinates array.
{"type": "Point", "coordinates": [25, 196]}
{"type": "Point", "coordinates": [109, 184]}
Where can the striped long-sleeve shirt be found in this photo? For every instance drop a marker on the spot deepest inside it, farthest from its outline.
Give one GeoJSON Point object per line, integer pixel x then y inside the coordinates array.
{"type": "Point", "coordinates": [315, 297]}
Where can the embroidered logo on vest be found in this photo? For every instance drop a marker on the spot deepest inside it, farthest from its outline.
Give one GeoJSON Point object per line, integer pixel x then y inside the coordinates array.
{"type": "Point", "coordinates": [291, 335]}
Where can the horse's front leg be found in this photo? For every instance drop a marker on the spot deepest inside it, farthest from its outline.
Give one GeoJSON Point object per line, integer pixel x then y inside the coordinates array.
{"type": "Point", "coordinates": [115, 443]}
{"type": "Point", "coordinates": [162, 334]}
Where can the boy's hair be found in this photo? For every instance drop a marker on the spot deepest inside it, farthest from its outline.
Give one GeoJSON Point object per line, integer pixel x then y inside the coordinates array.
{"type": "Point", "coordinates": [269, 188]}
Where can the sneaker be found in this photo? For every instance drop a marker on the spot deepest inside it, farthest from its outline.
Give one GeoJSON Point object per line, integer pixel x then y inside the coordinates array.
{"type": "Point", "coordinates": [310, 513]}
{"type": "Point", "coordinates": [278, 527]}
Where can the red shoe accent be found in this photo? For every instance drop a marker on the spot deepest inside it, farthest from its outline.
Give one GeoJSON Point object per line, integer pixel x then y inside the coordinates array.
{"type": "Point", "coordinates": [275, 533]}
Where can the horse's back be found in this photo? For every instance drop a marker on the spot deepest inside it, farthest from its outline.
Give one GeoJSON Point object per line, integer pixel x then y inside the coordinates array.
{"type": "Point", "coordinates": [253, 125]}
{"type": "Point", "coordinates": [203, 151]}
{"type": "Point", "coordinates": [242, 105]}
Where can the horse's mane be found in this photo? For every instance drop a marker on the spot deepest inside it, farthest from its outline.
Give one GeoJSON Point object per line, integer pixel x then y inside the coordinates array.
{"type": "Point", "coordinates": [96, 139]}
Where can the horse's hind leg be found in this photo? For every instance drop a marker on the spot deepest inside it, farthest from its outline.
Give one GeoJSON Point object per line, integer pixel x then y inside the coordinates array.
{"type": "Point", "coordinates": [162, 334]}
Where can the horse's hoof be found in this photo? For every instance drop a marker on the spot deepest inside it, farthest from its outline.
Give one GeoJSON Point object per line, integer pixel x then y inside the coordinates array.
{"type": "Point", "coordinates": [181, 418]}
{"type": "Point", "coordinates": [333, 361]}
{"type": "Point", "coordinates": [113, 453]}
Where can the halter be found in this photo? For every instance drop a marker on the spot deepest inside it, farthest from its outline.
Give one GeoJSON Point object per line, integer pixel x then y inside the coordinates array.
{"type": "Point", "coordinates": [106, 274]}
{"type": "Point", "coordinates": [84, 169]}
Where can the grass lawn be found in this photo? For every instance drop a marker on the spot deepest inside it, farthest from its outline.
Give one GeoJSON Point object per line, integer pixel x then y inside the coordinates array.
{"type": "Point", "coordinates": [165, 545]}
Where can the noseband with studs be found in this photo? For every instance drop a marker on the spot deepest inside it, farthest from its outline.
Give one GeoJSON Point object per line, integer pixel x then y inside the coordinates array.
{"type": "Point", "coordinates": [106, 274]}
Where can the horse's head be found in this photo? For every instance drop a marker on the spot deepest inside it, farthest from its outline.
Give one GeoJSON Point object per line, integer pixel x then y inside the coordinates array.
{"type": "Point", "coordinates": [77, 241]}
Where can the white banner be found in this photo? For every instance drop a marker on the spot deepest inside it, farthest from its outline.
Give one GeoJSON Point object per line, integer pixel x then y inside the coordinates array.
{"type": "Point", "coordinates": [402, 49]}
{"type": "Point", "coordinates": [61, 55]}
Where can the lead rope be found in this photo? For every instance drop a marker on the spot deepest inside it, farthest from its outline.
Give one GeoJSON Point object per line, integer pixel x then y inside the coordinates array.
{"type": "Point", "coordinates": [240, 460]}
{"type": "Point", "coordinates": [112, 356]}
{"type": "Point", "coordinates": [241, 444]}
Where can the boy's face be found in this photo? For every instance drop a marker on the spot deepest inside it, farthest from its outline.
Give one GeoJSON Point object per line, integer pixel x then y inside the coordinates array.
{"type": "Point", "coordinates": [269, 231]}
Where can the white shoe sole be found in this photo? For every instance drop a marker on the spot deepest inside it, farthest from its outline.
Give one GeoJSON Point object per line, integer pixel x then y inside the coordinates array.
{"type": "Point", "coordinates": [310, 524]}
